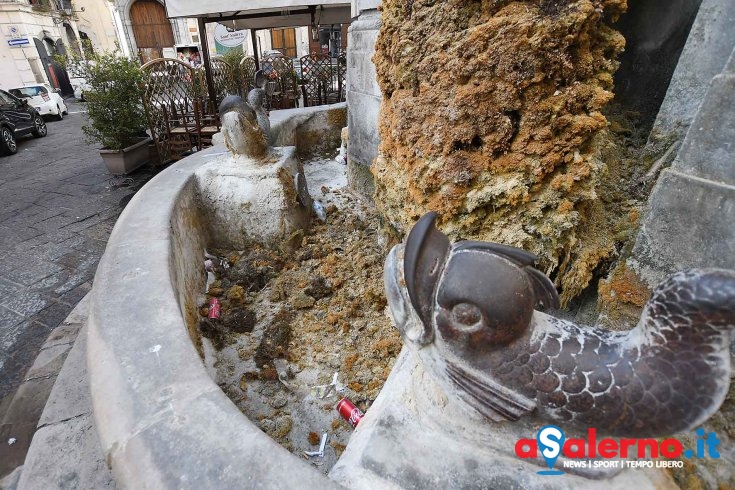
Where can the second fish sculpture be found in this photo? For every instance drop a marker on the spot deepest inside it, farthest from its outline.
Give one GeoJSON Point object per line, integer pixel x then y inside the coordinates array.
{"type": "Point", "coordinates": [467, 310]}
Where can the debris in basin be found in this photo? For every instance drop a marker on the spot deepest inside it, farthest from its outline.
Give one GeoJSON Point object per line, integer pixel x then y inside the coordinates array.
{"type": "Point", "coordinates": [215, 309]}
{"type": "Point", "coordinates": [211, 278]}
{"type": "Point", "coordinates": [239, 320]}
{"type": "Point", "coordinates": [320, 452]}
{"type": "Point", "coordinates": [350, 412]}
{"type": "Point", "coordinates": [314, 438]}
{"type": "Point", "coordinates": [278, 401]}
{"type": "Point", "coordinates": [275, 340]}
{"type": "Point", "coordinates": [319, 309]}
{"type": "Point", "coordinates": [212, 330]}
{"type": "Point", "coordinates": [319, 211]}
{"type": "Point", "coordinates": [323, 391]}
{"type": "Point", "coordinates": [284, 373]}
{"type": "Point", "coordinates": [215, 262]}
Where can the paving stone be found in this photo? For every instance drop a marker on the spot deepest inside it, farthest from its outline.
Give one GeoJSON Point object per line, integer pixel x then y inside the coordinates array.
{"type": "Point", "coordinates": [71, 239]}
{"type": "Point", "coordinates": [100, 231]}
{"type": "Point", "coordinates": [75, 295]}
{"type": "Point", "coordinates": [82, 223]}
{"type": "Point", "coordinates": [8, 288]}
{"type": "Point", "coordinates": [57, 222]}
{"type": "Point", "coordinates": [57, 208]}
{"type": "Point", "coordinates": [73, 281]}
{"type": "Point", "coordinates": [32, 243]}
{"type": "Point", "coordinates": [75, 260]}
{"type": "Point", "coordinates": [52, 315]}
{"type": "Point", "coordinates": [49, 283]}
{"type": "Point", "coordinates": [52, 251]}
{"type": "Point", "coordinates": [25, 303]}
{"type": "Point", "coordinates": [90, 245]}
{"type": "Point", "coordinates": [13, 326]}
{"type": "Point", "coordinates": [31, 271]}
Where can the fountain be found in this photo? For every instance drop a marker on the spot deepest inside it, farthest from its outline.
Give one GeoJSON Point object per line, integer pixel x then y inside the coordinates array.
{"type": "Point", "coordinates": [454, 412]}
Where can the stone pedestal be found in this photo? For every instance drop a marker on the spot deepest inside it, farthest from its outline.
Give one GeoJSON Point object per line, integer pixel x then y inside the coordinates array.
{"type": "Point", "coordinates": [245, 199]}
{"type": "Point", "coordinates": [364, 95]}
{"type": "Point", "coordinates": [414, 436]}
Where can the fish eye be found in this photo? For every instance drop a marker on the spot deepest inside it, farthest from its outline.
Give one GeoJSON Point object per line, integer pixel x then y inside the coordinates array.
{"type": "Point", "coordinates": [466, 315]}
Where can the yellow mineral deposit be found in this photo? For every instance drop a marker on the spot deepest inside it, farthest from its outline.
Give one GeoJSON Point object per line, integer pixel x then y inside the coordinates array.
{"type": "Point", "coordinates": [492, 116]}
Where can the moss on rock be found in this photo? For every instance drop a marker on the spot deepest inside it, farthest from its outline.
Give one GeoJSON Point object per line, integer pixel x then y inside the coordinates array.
{"type": "Point", "coordinates": [492, 117]}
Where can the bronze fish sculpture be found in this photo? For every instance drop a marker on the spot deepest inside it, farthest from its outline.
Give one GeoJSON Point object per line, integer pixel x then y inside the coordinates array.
{"type": "Point", "coordinates": [241, 131]}
{"type": "Point", "coordinates": [467, 309]}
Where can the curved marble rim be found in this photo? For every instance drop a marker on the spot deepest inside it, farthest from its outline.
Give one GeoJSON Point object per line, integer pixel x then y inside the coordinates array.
{"type": "Point", "coordinates": [162, 420]}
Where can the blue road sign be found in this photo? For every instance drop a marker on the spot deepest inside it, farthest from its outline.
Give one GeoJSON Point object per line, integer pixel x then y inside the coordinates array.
{"type": "Point", "coordinates": [18, 42]}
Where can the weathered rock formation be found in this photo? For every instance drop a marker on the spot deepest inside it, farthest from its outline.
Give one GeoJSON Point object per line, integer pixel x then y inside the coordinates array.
{"type": "Point", "coordinates": [492, 117]}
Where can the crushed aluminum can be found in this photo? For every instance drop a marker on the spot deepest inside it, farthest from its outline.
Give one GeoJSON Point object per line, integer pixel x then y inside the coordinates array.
{"type": "Point", "coordinates": [214, 309]}
{"type": "Point", "coordinates": [349, 412]}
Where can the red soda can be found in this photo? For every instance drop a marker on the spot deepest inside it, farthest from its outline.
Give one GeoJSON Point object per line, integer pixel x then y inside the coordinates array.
{"type": "Point", "coordinates": [214, 309]}
{"type": "Point", "coordinates": [349, 412]}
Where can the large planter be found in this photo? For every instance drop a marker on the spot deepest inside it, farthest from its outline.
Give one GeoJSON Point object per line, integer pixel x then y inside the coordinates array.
{"type": "Point", "coordinates": [127, 159]}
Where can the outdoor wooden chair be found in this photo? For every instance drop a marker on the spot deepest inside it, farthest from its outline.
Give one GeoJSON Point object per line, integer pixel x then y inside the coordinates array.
{"type": "Point", "coordinates": [206, 125]}
{"type": "Point", "coordinates": [177, 137]}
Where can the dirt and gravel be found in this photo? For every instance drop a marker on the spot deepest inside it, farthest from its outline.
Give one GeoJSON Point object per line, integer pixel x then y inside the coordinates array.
{"type": "Point", "coordinates": [292, 318]}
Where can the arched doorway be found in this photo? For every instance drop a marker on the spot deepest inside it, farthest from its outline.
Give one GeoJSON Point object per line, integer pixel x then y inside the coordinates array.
{"type": "Point", "coordinates": [72, 38]}
{"type": "Point", "coordinates": [57, 76]}
{"type": "Point", "coordinates": [151, 28]}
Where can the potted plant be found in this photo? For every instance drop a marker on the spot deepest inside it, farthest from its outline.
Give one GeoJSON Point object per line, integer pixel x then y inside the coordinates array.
{"type": "Point", "coordinates": [116, 119]}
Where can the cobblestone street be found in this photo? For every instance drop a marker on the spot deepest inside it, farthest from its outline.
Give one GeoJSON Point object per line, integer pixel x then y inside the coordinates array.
{"type": "Point", "coordinates": [58, 205]}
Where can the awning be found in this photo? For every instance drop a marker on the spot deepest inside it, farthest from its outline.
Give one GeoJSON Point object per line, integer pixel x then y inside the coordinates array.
{"type": "Point", "coordinates": [263, 14]}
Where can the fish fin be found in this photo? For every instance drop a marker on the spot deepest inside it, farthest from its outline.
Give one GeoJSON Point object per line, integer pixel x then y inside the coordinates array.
{"type": "Point", "coordinates": [543, 287]}
{"type": "Point", "coordinates": [491, 399]}
{"type": "Point", "coordinates": [514, 254]}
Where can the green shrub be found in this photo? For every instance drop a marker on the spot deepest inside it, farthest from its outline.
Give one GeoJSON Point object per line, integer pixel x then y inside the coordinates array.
{"type": "Point", "coordinates": [114, 98]}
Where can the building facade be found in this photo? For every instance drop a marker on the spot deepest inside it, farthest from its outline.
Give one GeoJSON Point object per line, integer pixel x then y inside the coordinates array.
{"type": "Point", "coordinates": [35, 31]}
{"type": "Point", "coordinates": [148, 33]}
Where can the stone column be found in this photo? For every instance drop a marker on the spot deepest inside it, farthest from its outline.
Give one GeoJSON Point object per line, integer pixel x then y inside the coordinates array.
{"type": "Point", "coordinates": [363, 94]}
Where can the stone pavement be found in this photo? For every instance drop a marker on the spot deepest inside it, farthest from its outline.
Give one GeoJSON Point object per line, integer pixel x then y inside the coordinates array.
{"type": "Point", "coordinates": [58, 205]}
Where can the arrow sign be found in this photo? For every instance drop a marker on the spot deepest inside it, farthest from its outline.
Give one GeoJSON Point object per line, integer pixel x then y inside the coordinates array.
{"type": "Point", "coordinates": [18, 42]}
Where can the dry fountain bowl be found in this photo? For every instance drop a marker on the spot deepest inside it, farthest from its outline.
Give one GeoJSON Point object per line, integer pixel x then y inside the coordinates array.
{"type": "Point", "coordinates": [164, 423]}
{"type": "Point", "coordinates": [162, 420]}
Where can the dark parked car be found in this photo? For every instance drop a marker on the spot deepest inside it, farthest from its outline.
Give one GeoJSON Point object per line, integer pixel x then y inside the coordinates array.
{"type": "Point", "coordinates": [17, 118]}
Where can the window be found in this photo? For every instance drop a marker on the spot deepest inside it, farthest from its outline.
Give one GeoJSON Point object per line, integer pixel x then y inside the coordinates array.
{"type": "Point", "coordinates": [27, 92]}
{"type": "Point", "coordinates": [284, 40]}
{"type": "Point", "coordinates": [7, 99]}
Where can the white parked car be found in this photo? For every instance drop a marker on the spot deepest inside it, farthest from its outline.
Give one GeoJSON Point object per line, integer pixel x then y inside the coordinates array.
{"type": "Point", "coordinates": [79, 85]}
{"type": "Point", "coordinates": [77, 79]}
{"type": "Point", "coordinates": [44, 98]}
{"type": "Point", "coordinates": [79, 88]}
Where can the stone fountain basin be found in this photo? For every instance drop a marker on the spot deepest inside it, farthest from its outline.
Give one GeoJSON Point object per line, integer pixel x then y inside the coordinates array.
{"type": "Point", "coordinates": [162, 420]}
{"type": "Point", "coordinates": [164, 423]}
